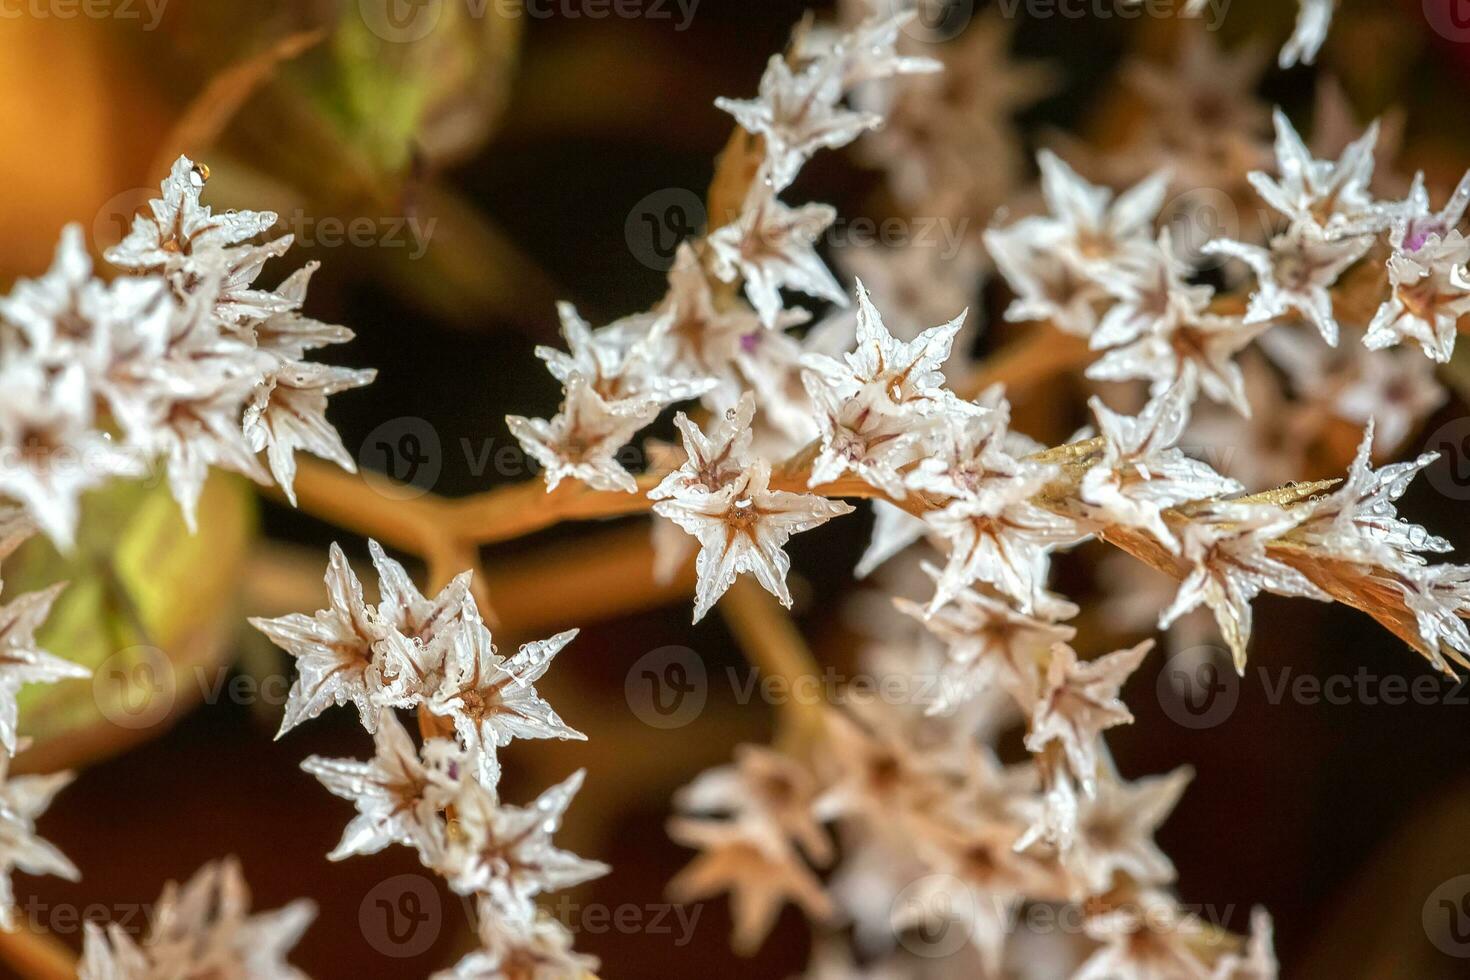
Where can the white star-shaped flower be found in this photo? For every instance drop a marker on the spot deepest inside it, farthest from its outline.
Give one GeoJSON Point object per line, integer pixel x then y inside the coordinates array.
{"type": "Point", "coordinates": [397, 797]}
{"type": "Point", "coordinates": [1328, 195]}
{"type": "Point", "coordinates": [870, 51]}
{"type": "Point", "coordinates": [1000, 537]}
{"type": "Point", "coordinates": [860, 437]}
{"type": "Point", "coordinates": [22, 800]}
{"type": "Point", "coordinates": [1046, 284]}
{"type": "Point", "coordinates": [1115, 831]}
{"type": "Point", "coordinates": [506, 854]}
{"type": "Point", "coordinates": [907, 375]}
{"type": "Point", "coordinates": [620, 362]}
{"type": "Point", "coordinates": [1438, 597]}
{"type": "Point", "coordinates": [1091, 228]}
{"type": "Point", "coordinates": [22, 661]}
{"type": "Point", "coordinates": [68, 316]}
{"type": "Point", "coordinates": [1430, 291]}
{"type": "Point", "coordinates": [772, 247]}
{"type": "Point", "coordinates": [760, 870]}
{"type": "Point", "coordinates": [491, 699]}
{"type": "Point", "coordinates": [743, 528]}
{"type": "Point", "coordinates": [1078, 702]}
{"type": "Point", "coordinates": [179, 227]}
{"type": "Point", "coordinates": [799, 112]}
{"type": "Point", "coordinates": [714, 461]}
{"type": "Point", "coordinates": [987, 640]}
{"type": "Point", "coordinates": [1224, 546]}
{"type": "Point", "coordinates": [50, 449]}
{"type": "Point", "coordinates": [337, 659]}
{"type": "Point", "coordinates": [582, 441]}
{"type": "Point", "coordinates": [1142, 472]}
{"type": "Point", "coordinates": [202, 929]}
{"type": "Point", "coordinates": [515, 946]}
{"type": "Point", "coordinates": [288, 413]}
{"type": "Point", "coordinates": [1296, 273]}
{"type": "Point", "coordinates": [1197, 352]}
{"type": "Point", "coordinates": [1148, 937]}
{"type": "Point", "coordinates": [1415, 225]}
{"type": "Point", "coordinates": [1151, 295]}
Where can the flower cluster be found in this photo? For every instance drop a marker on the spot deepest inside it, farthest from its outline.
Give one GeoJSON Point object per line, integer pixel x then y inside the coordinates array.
{"type": "Point", "coordinates": [203, 928]}
{"type": "Point", "coordinates": [441, 797]}
{"type": "Point", "coordinates": [181, 359]}
{"type": "Point", "coordinates": [878, 417]}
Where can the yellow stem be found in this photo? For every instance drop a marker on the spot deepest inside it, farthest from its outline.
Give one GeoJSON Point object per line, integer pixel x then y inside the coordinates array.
{"type": "Point", "coordinates": [772, 643]}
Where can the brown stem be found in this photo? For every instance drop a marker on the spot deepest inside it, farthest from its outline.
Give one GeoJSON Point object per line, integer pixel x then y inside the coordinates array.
{"type": "Point", "coordinates": [36, 955]}
{"type": "Point", "coordinates": [772, 643]}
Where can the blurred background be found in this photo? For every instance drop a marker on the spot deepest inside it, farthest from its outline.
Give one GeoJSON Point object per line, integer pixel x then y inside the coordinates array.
{"type": "Point", "coordinates": [453, 186]}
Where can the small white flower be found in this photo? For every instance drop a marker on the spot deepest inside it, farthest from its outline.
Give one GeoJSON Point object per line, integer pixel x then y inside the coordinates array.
{"type": "Point", "coordinates": [1328, 195]}
{"type": "Point", "coordinates": [714, 461]}
{"type": "Point", "coordinates": [987, 640]}
{"type": "Point", "coordinates": [288, 413]}
{"type": "Point", "coordinates": [742, 528]}
{"type": "Point", "coordinates": [1078, 702]}
{"type": "Point", "coordinates": [1115, 830]}
{"type": "Point", "coordinates": [505, 853]}
{"type": "Point", "coordinates": [1001, 538]}
{"type": "Point", "coordinates": [860, 437]}
{"type": "Point", "coordinates": [582, 441]}
{"type": "Point", "coordinates": [1152, 295]}
{"type": "Point", "coordinates": [397, 797]}
{"type": "Point", "coordinates": [799, 112]}
{"type": "Point", "coordinates": [906, 376]}
{"type": "Point", "coordinates": [202, 929]}
{"type": "Point", "coordinates": [1296, 273]}
{"type": "Point", "coordinates": [337, 657]}
{"type": "Point", "coordinates": [1095, 231]}
{"type": "Point", "coordinates": [50, 450]}
{"type": "Point", "coordinates": [178, 227]}
{"type": "Point", "coordinates": [624, 370]}
{"type": "Point", "coordinates": [22, 660]}
{"type": "Point", "coordinates": [491, 699]}
{"type": "Point", "coordinates": [772, 247]}
{"type": "Point", "coordinates": [1198, 353]}
{"type": "Point", "coordinates": [1430, 291]}
{"type": "Point", "coordinates": [22, 800]}
{"type": "Point", "coordinates": [1148, 936]}
{"type": "Point", "coordinates": [1224, 546]}
{"type": "Point", "coordinates": [514, 945]}
{"type": "Point", "coordinates": [1358, 520]}
{"type": "Point", "coordinates": [1046, 285]}
{"type": "Point", "coordinates": [1142, 472]}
